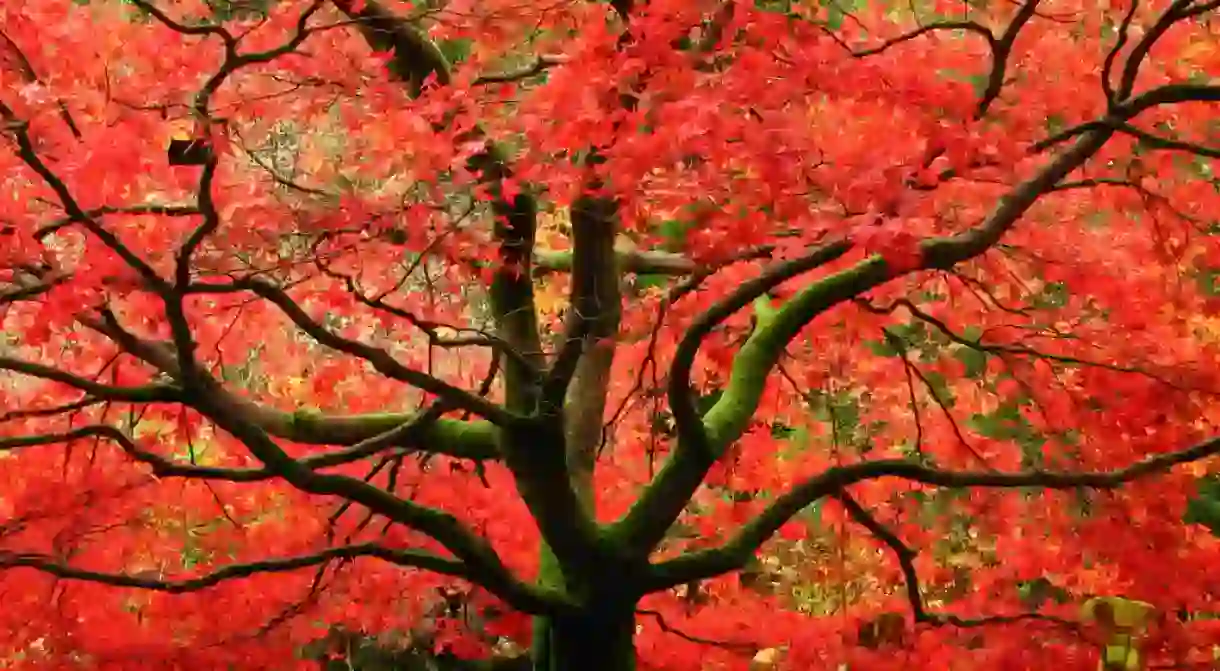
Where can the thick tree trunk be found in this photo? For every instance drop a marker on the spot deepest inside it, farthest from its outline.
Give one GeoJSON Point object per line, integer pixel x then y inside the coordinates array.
{"type": "Point", "coordinates": [601, 638]}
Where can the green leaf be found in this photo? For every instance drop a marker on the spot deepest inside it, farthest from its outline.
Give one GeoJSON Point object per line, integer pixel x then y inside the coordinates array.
{"type": "Point", "coordinates": [881, 348]}
{"type": "Point", "coordinates": [975, 361]}
{"type": "Point", "coordinates": [940, 388]}
{"type": "Point", "coordinates": [1053, 295]}
{"type": "Point", "coordinates": [650, 281]}
{"type": "Point", "coordinates": [781, 431]}
{"type": "Point", "coordinates": [1204, 507]}
{"type": "Point", "coordinates": [673, 231]}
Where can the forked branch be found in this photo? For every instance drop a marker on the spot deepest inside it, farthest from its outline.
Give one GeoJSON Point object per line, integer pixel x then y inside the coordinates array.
{"type": "Point", "coordinates": [702, 440]}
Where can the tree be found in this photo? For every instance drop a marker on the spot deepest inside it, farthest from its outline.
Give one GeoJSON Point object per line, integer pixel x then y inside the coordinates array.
{"type": "Point", "coordinates": [329, 315]}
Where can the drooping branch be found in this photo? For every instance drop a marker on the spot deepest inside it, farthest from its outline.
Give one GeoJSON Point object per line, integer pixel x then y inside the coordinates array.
{"type": "Point", "coordinates": [738, 551]}
{"type": "Point", "coordinates": [161, 466]}
{"type": "Point", "coordinates": [164, 467]}
{"type": "Point", "coordinates": [207, 397]}
{"type": "Point", "coordinates": [1162, 143]}
{"type": "Point", "coordinates": [905, 555]}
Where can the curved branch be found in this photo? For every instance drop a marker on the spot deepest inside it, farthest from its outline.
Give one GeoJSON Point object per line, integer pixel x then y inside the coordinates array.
{"type": "Point", "coordinates": [1153, 141]}
{"type": "Point", "coordinates": [377, 357]}
{"type": "Point", "coordinates": [1001, 50]}
{"type": "Point", "coordinates": [541, 64]}
{"type": "Point", "coordinates": [233, 61]}
{"type": "Point", "coordinates": [1178, 11]}
{"type": "Point", "coordinates": [1169, 94]}
{"type": "Point", "coordinates": [1107, 69]}
{"type": "Point", "coordinates": [738, 551]}
{"type": "Point", "coordinates": [152, 393]}
{"type": "Point", "coordinates": [938, 26]}
{"type": "Point", "coordinates": [415, 57]}
{"type": "Point", "coordinates": [406, 558]}
{"type": "Point", "coordinates": [182, 28]}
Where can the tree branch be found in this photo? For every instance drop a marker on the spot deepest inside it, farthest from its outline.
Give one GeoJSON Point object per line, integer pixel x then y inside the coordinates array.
{"type": "Point", "coordinates": [580, 376]}
{"type": "Point", "coordinates": [1153, 141]}
{"type": "Point", "coordinates": [1001, 48]}
{"type": "Point", "coordinates": [460, 438]}
{"type": "Point", "coordinates": [25, 151]}
{"type": "Point", "coordinates": [483, 563]}
{"type": "Point", "coordinates": [377, 357]}
{"type": "Point", "coordinates": [639, 262]}
{"type": "Point", "coordinates": [405, 558]}
{"type": "Point", "coordinates": [906, 562]}
{"type": "Point", "coordinates": [161, 467]}
{"type": "Point", "coordinates": [415, 57]}
{"type": "Point", "coordinates": [700, 443]}
{"type": "Point", "coordinates": [153, 393]}
{"type": "Point", "coordinates": [1179, 10]}
{"type": "Point", "coordinates": [541, 64]}
{"type": "Point", "coordinates": [594, 301]}
{"type": "Point", "coordinates": [738, 551]}
{"type": "Point", "coordinates": [1019, 350]}
{"type": "Point", "coordinates": [534, 449]}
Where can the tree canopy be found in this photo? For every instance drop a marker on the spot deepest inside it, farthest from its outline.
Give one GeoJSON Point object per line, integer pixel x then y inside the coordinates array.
{"type": "Point", "coordinates": [680, 334]}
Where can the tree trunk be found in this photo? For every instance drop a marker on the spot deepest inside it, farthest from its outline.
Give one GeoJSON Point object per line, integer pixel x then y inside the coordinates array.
{"type": "Point", "coordinates": [600, 638]}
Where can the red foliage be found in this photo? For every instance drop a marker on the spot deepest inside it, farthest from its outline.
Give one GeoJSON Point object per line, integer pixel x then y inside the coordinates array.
{"type": "Point", "coordinates": [1080, 336]}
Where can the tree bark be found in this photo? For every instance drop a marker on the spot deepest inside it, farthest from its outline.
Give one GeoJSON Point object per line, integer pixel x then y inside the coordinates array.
{"type": "Point", "coordinates": [598, 638]}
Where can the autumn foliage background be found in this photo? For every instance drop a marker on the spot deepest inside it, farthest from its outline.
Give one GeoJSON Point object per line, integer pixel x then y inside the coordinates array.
{"type": "Point", "coordinates": [348, 194]}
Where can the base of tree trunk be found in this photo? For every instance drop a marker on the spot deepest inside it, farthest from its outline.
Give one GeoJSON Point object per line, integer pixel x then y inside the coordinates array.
{"type": "Point", "coordinates": [601, 638]}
